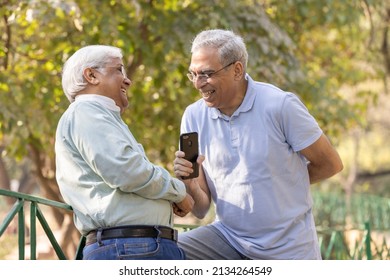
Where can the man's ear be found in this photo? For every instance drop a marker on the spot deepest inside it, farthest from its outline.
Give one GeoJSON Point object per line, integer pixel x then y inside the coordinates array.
{"type": "Point", "coordinates": [90, 77]}
{"type": "Point", "coordinates": [238, 70]}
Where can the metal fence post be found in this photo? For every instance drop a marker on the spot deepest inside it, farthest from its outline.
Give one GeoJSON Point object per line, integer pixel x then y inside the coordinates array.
{"type": "Point", "coordinates": [367, 240]}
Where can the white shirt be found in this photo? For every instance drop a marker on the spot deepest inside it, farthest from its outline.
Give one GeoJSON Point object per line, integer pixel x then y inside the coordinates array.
{"type": "Point", "coordinates": [103, 172]}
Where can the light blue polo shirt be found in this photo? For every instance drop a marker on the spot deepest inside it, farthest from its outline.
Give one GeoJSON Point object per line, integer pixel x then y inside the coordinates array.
{"type": "Point", "coordinates": [258, 180]}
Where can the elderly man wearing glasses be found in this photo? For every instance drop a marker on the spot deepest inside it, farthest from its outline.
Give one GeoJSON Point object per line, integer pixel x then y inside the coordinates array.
{"type": "Point", "coordinates": [122, 202]}
{"type": "Point", "coordinates": [260, 149]}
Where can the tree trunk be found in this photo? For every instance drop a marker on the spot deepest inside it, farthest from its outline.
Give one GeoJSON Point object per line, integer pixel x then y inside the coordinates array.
{"type": "Point", "coordinates": [5, 182]}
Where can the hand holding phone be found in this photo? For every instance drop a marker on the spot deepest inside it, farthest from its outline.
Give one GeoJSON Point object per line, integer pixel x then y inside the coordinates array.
{"type": "Point", "coordinates": [189, 145]}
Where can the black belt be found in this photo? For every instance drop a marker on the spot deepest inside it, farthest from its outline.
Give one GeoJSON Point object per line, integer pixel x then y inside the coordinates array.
{"type": "Point", "coordinates": [131, 231]}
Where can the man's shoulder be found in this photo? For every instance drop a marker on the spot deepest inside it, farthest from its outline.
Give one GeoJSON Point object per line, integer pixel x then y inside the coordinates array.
{"type": "Point", "coordinates": [268, 90]}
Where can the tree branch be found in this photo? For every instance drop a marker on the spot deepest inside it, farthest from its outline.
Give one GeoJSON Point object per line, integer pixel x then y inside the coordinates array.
{"type": "Point", "coordinates": [385, 42]}
{"type": "Point", "coordinates": [371, 175]}
{"type": "Point", "coordinates": [7, 41]}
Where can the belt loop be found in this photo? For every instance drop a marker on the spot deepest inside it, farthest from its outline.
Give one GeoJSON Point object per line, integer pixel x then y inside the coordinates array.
{"type": "Point", "coordinates": [158, 233]}
{"type": "Point", "coordinates": [99, 236]}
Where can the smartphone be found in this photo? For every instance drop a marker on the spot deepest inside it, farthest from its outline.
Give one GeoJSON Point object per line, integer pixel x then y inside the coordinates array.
{"type": "Point", "coordinates": [189, 145]}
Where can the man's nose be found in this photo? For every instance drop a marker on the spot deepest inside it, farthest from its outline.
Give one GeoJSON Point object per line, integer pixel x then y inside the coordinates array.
{"type": "Point", "coordinates": [199, 82]}
{"type": "Point", "coordinates": [127, 81]}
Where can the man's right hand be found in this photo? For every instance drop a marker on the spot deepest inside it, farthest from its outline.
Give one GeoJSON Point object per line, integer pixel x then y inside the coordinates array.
{"type": "Point", "coordinates": [183, 167]}
{"type": "Point", "coordinates": [184, 207]}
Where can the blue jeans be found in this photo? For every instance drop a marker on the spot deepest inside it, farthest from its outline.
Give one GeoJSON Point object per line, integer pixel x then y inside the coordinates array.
{"type": "Point", "coordinates": [134, 248]}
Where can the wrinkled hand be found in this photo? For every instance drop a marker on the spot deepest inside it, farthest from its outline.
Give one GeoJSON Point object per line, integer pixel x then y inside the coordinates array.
{"type": "Point", "coordinates": [184, 207]}
{"type": "Point", "coordinates": [183, 167]}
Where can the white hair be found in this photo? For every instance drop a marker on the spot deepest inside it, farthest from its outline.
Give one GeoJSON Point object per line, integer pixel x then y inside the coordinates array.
{"type": "Point", "coordinates": [93, 56]}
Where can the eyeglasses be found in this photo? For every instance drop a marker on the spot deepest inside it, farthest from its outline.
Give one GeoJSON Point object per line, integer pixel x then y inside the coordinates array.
{"type": "Point", "coordinates": [120, 68]}
{"type": "Point", "coordinates": [204, 76]}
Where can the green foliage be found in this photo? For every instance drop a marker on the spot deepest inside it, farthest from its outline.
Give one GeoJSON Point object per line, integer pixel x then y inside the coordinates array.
{"type": "Point", "coordinates": [333, 44]}
{"type": "Point", "coordinates": [315, 51]}
{"type": "Point", "coordinates": [155, 38]}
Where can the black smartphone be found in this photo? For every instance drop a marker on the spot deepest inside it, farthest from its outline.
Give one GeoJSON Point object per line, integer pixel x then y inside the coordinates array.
{"type": "Point", "coordinates": [189, 145]}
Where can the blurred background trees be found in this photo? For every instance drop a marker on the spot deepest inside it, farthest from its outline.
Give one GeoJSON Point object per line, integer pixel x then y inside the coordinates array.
{"type": "Point", "coordinates": [334, 54]}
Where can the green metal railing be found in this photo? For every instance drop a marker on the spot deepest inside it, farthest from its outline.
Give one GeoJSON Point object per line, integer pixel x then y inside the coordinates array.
{"type": "Point", "coordinates": [333, 246]}
{"type": "Point", "coordinates": [332, 208]}
{"type": "Point", "coordinates": [332, 242]}
{"type": "Point", "coordinates": [35, 213]}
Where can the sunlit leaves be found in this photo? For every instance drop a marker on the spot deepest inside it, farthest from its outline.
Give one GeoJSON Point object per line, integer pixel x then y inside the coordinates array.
{"type": "Point", "coordinates": [310, 47]}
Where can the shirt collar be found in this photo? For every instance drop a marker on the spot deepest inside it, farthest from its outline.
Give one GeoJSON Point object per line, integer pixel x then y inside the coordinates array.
{"type": "Point", "coordinates": [101, 99]}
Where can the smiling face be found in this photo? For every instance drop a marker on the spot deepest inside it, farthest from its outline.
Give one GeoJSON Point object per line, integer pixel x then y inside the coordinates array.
{"type": "Point", "coordinates": [113, 83]}
{"type": "Point", "coordinates": [224, 89]}
{"type": "Point", "coordinates": [109, 80]}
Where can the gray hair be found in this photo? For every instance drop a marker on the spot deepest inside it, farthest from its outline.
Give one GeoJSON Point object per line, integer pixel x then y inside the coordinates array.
{"type": "Point", "coordinates": [231, 47]}
{"type": "Point", "coordinates": [93, 56]}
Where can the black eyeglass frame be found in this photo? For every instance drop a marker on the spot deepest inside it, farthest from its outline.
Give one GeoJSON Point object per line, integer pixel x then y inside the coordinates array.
{"type": "Point", "coordinates": [205, 76]}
